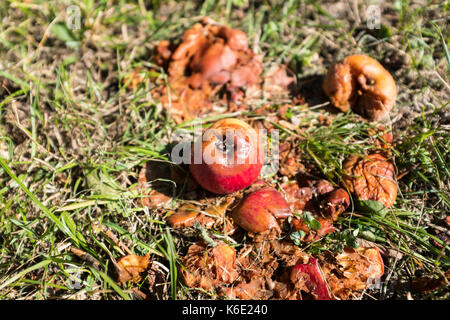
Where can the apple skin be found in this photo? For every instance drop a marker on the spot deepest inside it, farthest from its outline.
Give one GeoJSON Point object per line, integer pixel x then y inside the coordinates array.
{"type": "Point", "coordinates": [231, 170]}
{"type": "Point", "coordinates": [259, 211]}
{"type": "Point", "coordinates": [312, 274]}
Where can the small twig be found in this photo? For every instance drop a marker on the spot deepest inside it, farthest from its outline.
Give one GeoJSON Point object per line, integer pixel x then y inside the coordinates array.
{"type": "Point", "coordinates": [442, 229]}
{"type": "Point", "coordinates": [119, 243]}
{"type": "Point", "coordinates": [407, 171]}
{"type": "Point", "coordinates": [442, 80]}
{"type": "Point", "coordinates": [138, 293]}
{"type": "Point", "coordinates": [86, 257]}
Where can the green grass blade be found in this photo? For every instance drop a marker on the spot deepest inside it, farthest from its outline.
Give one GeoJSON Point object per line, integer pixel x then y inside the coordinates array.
{"type": "Point", "coordinates": [38, 203]}
{"type": "Point", "coordinates": [19, 275]}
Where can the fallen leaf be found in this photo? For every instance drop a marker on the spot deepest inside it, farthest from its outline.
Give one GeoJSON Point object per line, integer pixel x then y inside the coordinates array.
{"type": "Point", "coordinates": [426, 285]}
{"type": "Point", "coordinates": [131, 266]}
{"type": "Point", "coordinates": [184, 217]}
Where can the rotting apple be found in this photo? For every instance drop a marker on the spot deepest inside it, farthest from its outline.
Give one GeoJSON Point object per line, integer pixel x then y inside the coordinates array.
{"type": "Point", "coordinates": [210, 63]}
{"type": "Point", "coordinates": [259, 211]}
{"type": "Point", "coordinates": [228, 157]}
{"type": "Point", "coordinates": [207, 267]}
{"type": "Point", "coordinates": [372, 268]}
{"type": "Point", "coordinates": [361, 83]}
{"type": "Point", "coordinates": [309, 277]}
{"type": "Point", "coordinates": [186, 216]}
{"type": "Point", "coordinates": [351, 271]}
{"type": "Point", "coordinates": [334, 203]}
{"type": "Point", "coordinates": [321, 200]}
{"type": "Point", "coordinates": [371, 178]}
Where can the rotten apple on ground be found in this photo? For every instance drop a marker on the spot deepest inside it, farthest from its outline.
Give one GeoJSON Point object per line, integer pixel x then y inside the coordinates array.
{"type": "Point", "coordinates": [213, 215]}
{"type": "Point", "coordinates": [361, 83]}
{"type": "Point", "coordinates": [352, 271]}
{"type": "Point", "coordinates": [371, 178]}
{"type": "Point", "coordinates": [211, 62]}
{"type": "Point", "coordinates": [321, 199]}
{"type": "Point", "coordinates": [230, 158]}
{"type": "Point", "coordinates": [258, 212]}
{"type": "Point", "coordinates": [130, 267]}
{"type": "Point", "coordinates": [338, 276]}
{"type": "Point", "coordinates": [207, 267]}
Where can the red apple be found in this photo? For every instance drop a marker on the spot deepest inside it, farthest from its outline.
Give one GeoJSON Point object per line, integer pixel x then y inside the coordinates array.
{"type": "Point", "coordinates": [309, 277]}
{"type": "Point", "coordinates": [230, 159]}
{"type": "Point", "coordinates": [259, 211]}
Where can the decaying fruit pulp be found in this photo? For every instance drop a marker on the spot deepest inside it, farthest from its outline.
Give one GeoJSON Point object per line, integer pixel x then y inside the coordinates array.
{"type": "Point", "coordinates": [371, 178]}
{"type": "Point", "coordinates": [206, 267]}
{"type": "Point", "coordinates": [320, 199]}
{"type": "Point", "coordinates": [209, 59]}
{"type": "Point", "coordinates": [352, 271]}
{"type": "Point", "coordinates": [361, 83]}
{"type": "Point", "coordinates": [309, 277]}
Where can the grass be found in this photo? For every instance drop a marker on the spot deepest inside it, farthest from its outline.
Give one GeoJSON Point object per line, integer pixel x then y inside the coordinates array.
{"type": "Point", "coordinates": [73, 138]}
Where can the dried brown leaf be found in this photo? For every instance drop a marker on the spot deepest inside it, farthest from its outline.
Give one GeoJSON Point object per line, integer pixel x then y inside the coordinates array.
{"type": "Point", "coordinates": [131, 266]}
